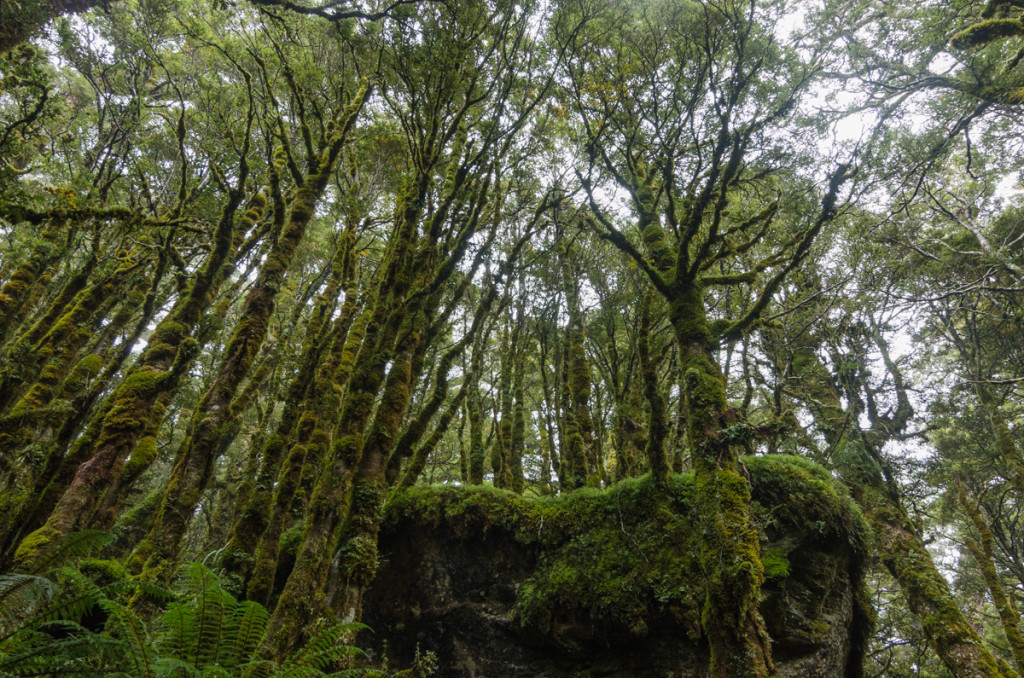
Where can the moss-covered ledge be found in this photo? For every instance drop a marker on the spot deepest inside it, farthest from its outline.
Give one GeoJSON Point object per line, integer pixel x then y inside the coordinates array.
{"type": "Point", "coordinates": [608, 581]}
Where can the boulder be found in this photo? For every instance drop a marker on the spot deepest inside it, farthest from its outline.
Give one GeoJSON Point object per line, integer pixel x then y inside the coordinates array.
{"type": "Point", "coordinates": [606, 583]}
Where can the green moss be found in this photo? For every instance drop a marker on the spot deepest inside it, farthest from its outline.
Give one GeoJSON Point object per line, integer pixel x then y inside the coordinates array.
{"type": "Point", "coordinates": [793, 492]}
{"type": "Point", "coordinates": [775, 563]}
{"type": "Point", "coordinates": [628, 555]}
{"type": "Point", "coordinates": [142, 457]}
{"type": "Point", "coordinates": [986, 31]}
{"type": "Point", "coordinates": [88, 367]}
{"type": "Point", "coordinates": [34, 548]}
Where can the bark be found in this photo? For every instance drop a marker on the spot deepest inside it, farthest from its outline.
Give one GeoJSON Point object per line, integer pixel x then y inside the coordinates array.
{"type": "Point", "coordinates": [1005, 605]}
{"type": "Point", "coordinates": [139, 400]}
{"type": "Point", "coordinates": [193, 469]}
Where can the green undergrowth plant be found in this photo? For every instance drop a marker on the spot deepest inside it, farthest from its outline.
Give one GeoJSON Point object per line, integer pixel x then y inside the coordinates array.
{"type": "Point", "coordinates": [77, 617]}
{"type": "Point", "coordinates": [67, 616]}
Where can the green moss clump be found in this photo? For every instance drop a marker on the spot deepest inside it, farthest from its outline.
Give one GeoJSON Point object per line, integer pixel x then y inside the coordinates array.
{"type": "Point", "coordinates": [795, 493]}
{"type": "Point", "coordinates": [775, 563]}
{"type": "Point", "coordinates": [986, 31]}
{"type": "Point", "coordinates": [142, 456]}
{"type": "Point", "coordinates": [34, 548]}
{"type": "Point", "coordinates": [86, 369]}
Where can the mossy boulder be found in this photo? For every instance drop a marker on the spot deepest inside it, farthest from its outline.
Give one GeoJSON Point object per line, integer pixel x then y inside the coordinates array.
{"type": "Point", "coordinates": [607, 582]}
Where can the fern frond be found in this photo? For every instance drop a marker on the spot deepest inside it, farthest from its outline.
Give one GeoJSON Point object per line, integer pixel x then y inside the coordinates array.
{"type": "Point", "coordinates": [21, 596]}
{"type": "Point", "coordinates": [77, 597]}
{"type": "Point", "coordinates": [151, 591]}
{"type": "Point", "coordinates": [260, 668]}
{"type": "Point", "coordinates": [140, 656]}
{"type": "Point", "coordinates": [177, 631]}
{"type": "Point", "coordinates": [212, 606]}
{"type": "Point", "coordinates": [78, 652]}
{"type": "Point", "coordinates": [248, 623]}
{"type": "Point", "coordinates": [323, 649]}
{"type": "Point", "coordinates": [75, 545]}
{"type": "Point", "coordinates": [172, 666]}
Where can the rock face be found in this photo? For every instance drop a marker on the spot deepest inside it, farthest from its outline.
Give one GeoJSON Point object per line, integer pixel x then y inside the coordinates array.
{"type": "Point", "coordinates": [605, 583]}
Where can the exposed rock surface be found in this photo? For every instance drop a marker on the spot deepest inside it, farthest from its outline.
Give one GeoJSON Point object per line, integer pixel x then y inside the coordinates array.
{"type": "Point", "coordinates": [605, 583]}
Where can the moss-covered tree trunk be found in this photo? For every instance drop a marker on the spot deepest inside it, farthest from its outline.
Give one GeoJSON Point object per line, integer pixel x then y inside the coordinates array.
{"type": "Point", "coordinates": [58, 432]}
{"type": "Point", "coordinates": [308, 451]}
{"type": "Point", "coordinates": [501, 457]}
{"type": "Point", "coordinates": [303, 596]}
{"type": "Point", "coordinates": [139, 400]}
{"type": "Point", "coordinates": [15, 291]}
{"type": "Point", "coordinates": [549, 433]}
{"type": "Point", "coordinates": [65, 373]}
{"type": "Point", "coordinates": [1006, 606]}
{"type": "Point", "coordinates": [581, 450]}
{"type": "Point", "coordinates": [657, 429]}
{"type": "Point", "coordinates": [729, 542]}
{"type": "Point", "coordinates": [194, 465]}
{"type": "Point", "coordinates": [56, 352]}
{"type": "Point", "coordinates": [475, 413]}
{"type": "Point", "coordinates": [430, 270]}
{"type": "Point", "coordinates": [414, 432]}
{"type": "Point", "coordinates": [900, 546]}
{"type": "Point", "coordinates": [268, 487]}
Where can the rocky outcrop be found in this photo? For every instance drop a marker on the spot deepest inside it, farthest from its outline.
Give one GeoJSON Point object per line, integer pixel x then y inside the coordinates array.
{"type": "Point", "coordinates": [605, 583]}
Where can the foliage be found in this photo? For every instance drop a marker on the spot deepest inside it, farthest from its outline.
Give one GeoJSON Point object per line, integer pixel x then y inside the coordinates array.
{"type": "Point", "coordinates": [79, 619]}
{"type": "Point", "coordinates": [267, 265]}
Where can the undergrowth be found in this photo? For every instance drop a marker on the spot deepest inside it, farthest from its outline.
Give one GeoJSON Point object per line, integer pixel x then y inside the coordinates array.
{"type": "Point", "coordinates": [76, 616]}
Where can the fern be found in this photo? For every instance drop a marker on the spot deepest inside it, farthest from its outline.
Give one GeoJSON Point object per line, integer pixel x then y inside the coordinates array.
{"type": "Point", "coordinates": [127, 625]}
{"type": "Point", "coordinates": [21, 595]}
{"type": "Point", "coordinates": [248, 622]}
{"type": "Point", "coordinates": [75, 545]}
{"type": "Point", "coordinates": [323, 650]}
{"type": "Point", "coordinates": [48, 626]}
{"type": "Point", "coordinates": [212, 609]}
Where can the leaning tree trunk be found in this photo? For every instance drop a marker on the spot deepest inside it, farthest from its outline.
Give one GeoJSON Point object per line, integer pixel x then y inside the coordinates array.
{"type": "Point", "coordinates": [194, 466]}
{"type": "Point", "coordinates": [899, 544]}
{"type": "Point", "coordinates": [139, 400]}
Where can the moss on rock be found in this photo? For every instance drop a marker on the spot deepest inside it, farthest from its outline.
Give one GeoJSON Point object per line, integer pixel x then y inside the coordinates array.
{"type": "Point", "coordinates": [626, 555]}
